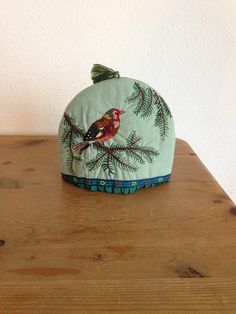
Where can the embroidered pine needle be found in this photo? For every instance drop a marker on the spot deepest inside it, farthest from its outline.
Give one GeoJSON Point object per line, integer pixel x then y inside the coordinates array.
{"type": "Point", "coordinates": [146, 101]}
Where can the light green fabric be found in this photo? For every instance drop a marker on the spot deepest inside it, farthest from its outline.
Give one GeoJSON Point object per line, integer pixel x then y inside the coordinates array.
{"type": "Point", "coordinates": [90, 105]}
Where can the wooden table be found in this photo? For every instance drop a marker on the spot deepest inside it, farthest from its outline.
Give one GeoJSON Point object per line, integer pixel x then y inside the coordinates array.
{"type": "Point", "coordinates": [168, 249]}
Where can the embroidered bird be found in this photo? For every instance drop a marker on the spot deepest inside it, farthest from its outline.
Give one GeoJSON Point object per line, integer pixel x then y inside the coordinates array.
{"type": "Point", "coordinates": [101, 130]}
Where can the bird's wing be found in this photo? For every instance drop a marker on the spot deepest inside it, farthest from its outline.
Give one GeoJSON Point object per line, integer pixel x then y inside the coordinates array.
{"type": "Point", "coordinates": [97, 129]}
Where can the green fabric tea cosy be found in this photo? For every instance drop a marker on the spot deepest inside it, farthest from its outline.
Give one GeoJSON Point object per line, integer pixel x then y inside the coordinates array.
{"type": "Point", "coordinates": [116, 135]}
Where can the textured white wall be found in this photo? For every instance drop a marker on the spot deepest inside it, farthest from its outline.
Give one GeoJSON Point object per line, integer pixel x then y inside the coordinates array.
{"type": "Point", "coordinates": [186, 49]}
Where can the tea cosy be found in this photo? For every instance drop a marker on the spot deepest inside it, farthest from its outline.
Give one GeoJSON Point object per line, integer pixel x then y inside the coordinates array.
{"type": "Point", "coordinates": [116, 135]}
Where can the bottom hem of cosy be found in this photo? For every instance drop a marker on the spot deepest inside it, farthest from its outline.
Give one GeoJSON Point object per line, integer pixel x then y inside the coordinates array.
{"type": "Point", "coordinates": [115, 186]}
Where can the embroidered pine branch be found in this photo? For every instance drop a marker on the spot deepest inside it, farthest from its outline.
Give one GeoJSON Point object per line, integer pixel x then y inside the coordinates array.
{"type": "Point", "coordinates": [108, 158]}
{"type": "Point", "coordinates": [146, 99]}
{"type": "Point", "coordinates": [143, 99]}
{"type": "Point", "coordinates": [69, 137]}
{"type": "Point", "coordinates": [122, 156]}
{"type": "Point", "coordinates": [162, 116]}
{"type": "Point", "coordinates": [136, 93]}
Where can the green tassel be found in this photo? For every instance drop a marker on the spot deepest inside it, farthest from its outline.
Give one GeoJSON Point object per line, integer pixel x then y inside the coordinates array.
{"type": "Point", "coordinates": [100, 73]}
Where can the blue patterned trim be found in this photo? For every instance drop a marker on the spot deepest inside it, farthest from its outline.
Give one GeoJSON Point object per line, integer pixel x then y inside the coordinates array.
{"type": "Point", "coordinates": [115, 186]}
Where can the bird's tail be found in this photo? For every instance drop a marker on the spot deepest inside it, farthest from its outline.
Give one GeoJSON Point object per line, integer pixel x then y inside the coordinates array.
{"type": "Point", "coordinates": [80, 147]}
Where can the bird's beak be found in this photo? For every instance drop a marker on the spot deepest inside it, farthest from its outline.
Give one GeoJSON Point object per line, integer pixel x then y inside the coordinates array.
{"type": "Point", "coordinates": [122, 112]}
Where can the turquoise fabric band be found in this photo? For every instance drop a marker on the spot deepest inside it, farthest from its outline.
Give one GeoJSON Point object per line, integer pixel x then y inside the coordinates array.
{"type": "Point", "coordinates": [115, 186]}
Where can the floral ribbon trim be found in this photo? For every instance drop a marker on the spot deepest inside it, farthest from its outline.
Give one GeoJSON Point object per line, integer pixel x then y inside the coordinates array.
{"type": "Point", "coordinates": [84, 182]}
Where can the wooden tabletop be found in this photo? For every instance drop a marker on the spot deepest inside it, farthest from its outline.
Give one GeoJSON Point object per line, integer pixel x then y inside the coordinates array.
{"type": "Point", "coordinates": [170, 249]}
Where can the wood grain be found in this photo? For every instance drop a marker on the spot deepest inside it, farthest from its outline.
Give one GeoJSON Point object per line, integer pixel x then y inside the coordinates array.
{"type": "Point", "coordinates": [149, 295]}
{"type": "Point", "coordinates": [169, 249]}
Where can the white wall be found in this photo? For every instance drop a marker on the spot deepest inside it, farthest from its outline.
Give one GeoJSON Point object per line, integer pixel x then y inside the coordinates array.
{"type": "Point", "coordinates": [186, 49]}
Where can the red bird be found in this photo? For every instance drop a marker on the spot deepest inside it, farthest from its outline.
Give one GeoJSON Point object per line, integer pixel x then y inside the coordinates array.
{"type": "Point", "coordinates": [101, 130]}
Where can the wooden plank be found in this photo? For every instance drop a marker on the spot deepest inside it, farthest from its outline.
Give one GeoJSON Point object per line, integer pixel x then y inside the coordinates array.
{"type": "Point", "coordinates": [69, 216]}
{"type": "Point", "coordinates": [116, 262]}
{"type": "Point", "coordinates": [167, 249]}
{"type": "Point", "coordinates": [120, 295]}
